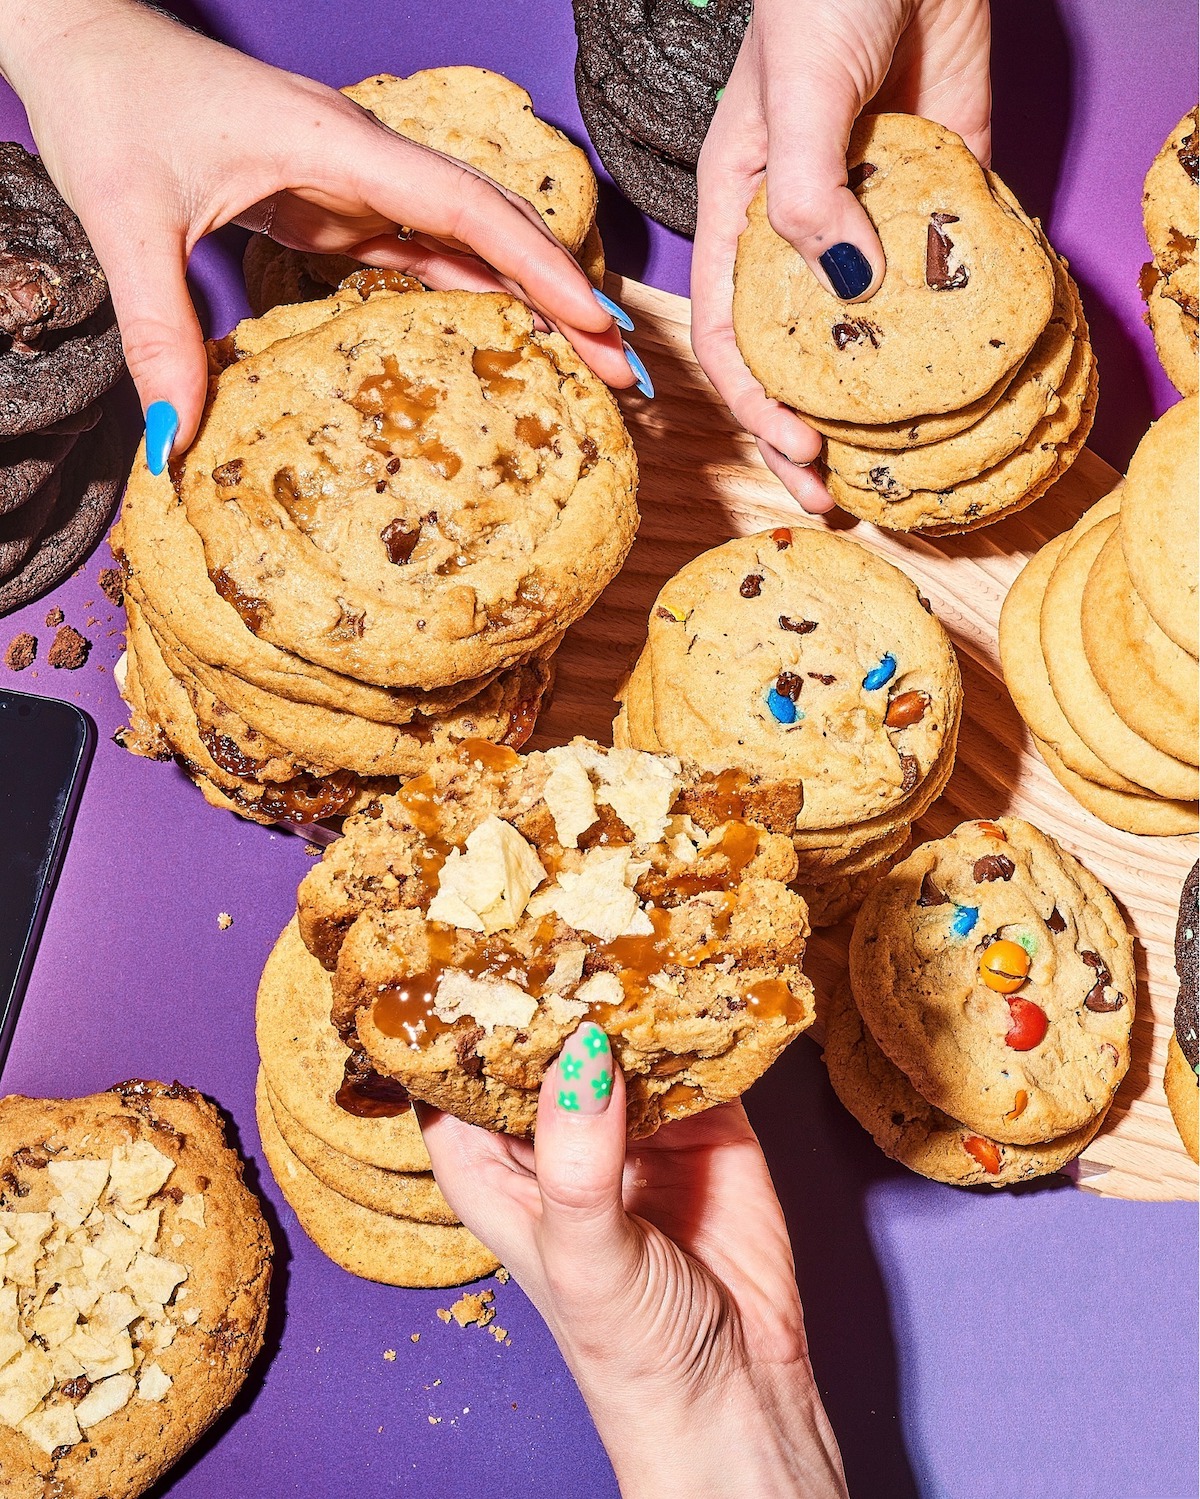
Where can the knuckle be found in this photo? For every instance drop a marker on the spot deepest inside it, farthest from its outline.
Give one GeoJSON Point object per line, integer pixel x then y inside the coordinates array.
{"type": "Point", "coordinates": [795, 210]}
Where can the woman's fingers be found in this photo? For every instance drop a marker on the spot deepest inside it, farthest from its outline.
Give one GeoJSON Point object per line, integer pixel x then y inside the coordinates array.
{"type": "Point", "coordinates": [801, 481]}
{"type": "Point", "coordinates": [487, 1180]}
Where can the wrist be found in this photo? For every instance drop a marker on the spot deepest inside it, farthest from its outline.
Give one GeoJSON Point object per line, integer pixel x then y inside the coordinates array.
{"type": "Point", "coordinates": [34, 33]}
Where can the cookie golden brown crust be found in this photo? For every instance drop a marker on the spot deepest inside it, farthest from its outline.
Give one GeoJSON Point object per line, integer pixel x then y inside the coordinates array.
{"type": "Point", "coordinates": [1183, 1095]}
{"type": "Point", "coordinates": [187, 1211]}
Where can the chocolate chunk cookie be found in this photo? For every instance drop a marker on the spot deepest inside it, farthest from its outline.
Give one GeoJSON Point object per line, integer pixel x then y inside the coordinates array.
{"type": "Point", "coordinates": [69, 370]}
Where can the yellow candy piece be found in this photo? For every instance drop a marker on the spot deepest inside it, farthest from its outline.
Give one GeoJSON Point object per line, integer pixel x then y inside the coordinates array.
{"type": "Point", "coordinates": [1004, 966]}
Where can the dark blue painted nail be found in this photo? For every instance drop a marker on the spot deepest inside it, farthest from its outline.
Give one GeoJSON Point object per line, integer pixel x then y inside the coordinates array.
{"type": "Point", "coordinates": [640, 372]}
{"type": "Point", "coordinates": [618, 314]}
{"type": "Point", "coordinates": [848, 269]}
{"type": "Point", "coordinates": [162, 424]}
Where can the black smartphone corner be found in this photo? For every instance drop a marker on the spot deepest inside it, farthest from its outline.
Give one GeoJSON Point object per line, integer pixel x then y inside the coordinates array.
{"type": "Point", "coordinates": [46, 747]}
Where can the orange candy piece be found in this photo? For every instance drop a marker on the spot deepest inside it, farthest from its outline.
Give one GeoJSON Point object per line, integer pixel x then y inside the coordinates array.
{"type": "Point", "coordinates": [1004, 966]}
{"type": "Point", "coordinates": [986, 1152]}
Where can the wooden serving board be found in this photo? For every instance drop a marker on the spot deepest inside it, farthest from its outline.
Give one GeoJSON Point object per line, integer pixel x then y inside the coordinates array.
{"type": "Point", "coordinates": [702, 481]}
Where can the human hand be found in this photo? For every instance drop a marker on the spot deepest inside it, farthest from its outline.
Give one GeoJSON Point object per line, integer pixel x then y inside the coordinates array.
{"type": "Point", "coordinates": [805, 72]}
{"type": "Point", "coordinates": [156, 136]}
{"type": "Point", "coordinates": [663, 1270]}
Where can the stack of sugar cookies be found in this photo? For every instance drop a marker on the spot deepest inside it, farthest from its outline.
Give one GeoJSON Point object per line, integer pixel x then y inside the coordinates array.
{"type": "Point", "coordinates": [343, 1143]}
{"type": "Point", "coordinates": [498, 901]}
{"type": "Point", "coordinates": [985, 1027]}
{"type": "Point", "coordinates": [802, 660]}
{"type": "Point", "coordinates": [1171, 212]}
{"type": "Point", "coordinates": [479, 118]}
{"type": "Point", "coordinates": [397, 502]}
{"type": "Point", "coordinates": [1098, 641]}
{"type": "Point", "coordinates": [965, 385]}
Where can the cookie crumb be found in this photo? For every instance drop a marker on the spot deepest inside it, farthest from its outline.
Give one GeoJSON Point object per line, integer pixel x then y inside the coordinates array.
{"type": "Point", "coordinates": [474, 1309]}
{"type": "Point", "coordinates": [21, 652]}
{"type": "Point", "coordinates": [313, 850]}
{"type": "Point", "coordinates": [435, 1420]}
{"type": "Point", "coordinates": [443, 1314]}
{"type": "Point", "coordinates": [499, 1333]}
{"type": "Point", "coordinates": [54, 618]}
{"type": "Point", "coordinates": [224, 920]}
{"type": "Point", "coordinates": [414, 1337]}
{"type": "Point", "coordinates": [503, 1276]}
{"type": "Point", "coordinates": [112, 584]}
{"type": "Point", "coordinates": [70, 649]}
{"type": "Point", "coordinates": [389, 1355]}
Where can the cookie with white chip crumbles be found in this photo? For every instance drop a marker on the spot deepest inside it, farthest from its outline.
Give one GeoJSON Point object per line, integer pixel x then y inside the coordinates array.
{"type": "Point", "coordinates": [497, 900]}
{"type": "Point", "coordinates": [136, 1267]}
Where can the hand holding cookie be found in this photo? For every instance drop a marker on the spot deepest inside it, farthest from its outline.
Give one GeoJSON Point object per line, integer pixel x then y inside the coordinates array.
{"type": "Point", "coordinates": [803, 76]}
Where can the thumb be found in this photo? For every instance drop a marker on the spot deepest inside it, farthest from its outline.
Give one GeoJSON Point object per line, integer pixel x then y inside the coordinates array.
{"type": "Point", "coordinates": [809, 120]}
{"type": "Point", "coordinates": [588, 1243]}
{"type": "Point", "coordinates": [164, 347]}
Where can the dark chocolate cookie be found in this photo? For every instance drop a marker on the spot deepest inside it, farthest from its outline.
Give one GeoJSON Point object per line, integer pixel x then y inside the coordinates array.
{"type": "Point", "coordinates": [89, 484]}
{"type": "Point", "coordinates": [654, 183]}
{"type": "Point", "coordinates": [49, 275]}
{"type": "Point", "coordinates": [1185, 966]}
{"type": "Point", "coordinates": [20, 528]}
{"type": "Point", "coordinates": [26, 464]}
{"type": "Point", "coordinates": [67, 373]}
{"type": "Point", "coordinates": [659, 65]}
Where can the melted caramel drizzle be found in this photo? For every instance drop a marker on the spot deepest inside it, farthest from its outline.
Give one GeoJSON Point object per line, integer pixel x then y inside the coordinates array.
{"type": "Point", "coordinates": [399, 410]}
{"type": "Point", "coordinates": [491, 367]}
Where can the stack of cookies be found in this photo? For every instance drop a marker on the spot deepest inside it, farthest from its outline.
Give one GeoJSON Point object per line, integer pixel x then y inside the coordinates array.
{"type": "Point", "coordinates": [497, 902]}
{"type": "Point", "coordinates": [985, 1027]}
{"type": "Point", "coordinates": [801, 661]}
{"type": "Point", "coordinates": [1171, 212]}
{"type": "Point", "coordinates": [396, 504]}
{"type": "Point", "coordinates": [60, 355]}
{"type": "Point", "coordinates": [343, 1142]}
{"type": "Point", "coordinates": [648, 75]}
{"type": "Point", "coordinates": [1098, 641]}
{"type": "Point", "coordinates": [966, 384]}
{"type": "Point", "coordinates": [479, 118]}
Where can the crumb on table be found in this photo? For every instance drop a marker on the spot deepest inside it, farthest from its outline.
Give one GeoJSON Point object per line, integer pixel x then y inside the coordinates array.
{"type": "Point", "coordinates": [54, 618]}
{"type": "Point", "coordinates": [224, 920]}
{"type": "Point", "coordinates": [21, 652]}
{"type": "Point", "coordinates": [70, 649]}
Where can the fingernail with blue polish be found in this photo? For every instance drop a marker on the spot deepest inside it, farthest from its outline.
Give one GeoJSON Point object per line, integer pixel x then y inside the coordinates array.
{"type": "Point", "coordinates": [641, 373]}
{"type": "Point", "coordinates": [618, 314]}
{"type": "Point", "coordinates": [848, 269]}
{"type": "Point", "coordinates": [162, 425]}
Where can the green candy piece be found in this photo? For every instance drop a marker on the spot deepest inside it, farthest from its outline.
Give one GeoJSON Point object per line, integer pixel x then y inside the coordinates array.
{"type": "Point", "coordinates": [1029, 942]}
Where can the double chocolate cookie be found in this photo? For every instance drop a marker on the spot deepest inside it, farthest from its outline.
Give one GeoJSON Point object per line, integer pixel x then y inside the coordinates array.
{"type": "Point", "coordinates": [1182, 1079]}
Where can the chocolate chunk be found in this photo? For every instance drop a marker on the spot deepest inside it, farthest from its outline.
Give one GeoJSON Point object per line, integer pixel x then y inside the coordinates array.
{"type": "Point", "coordinates": [938, 244]}
{"type": "Point", "coordinates": [797, 626]}
{"type": "Point", "coordinates": [751, 586]}
{"type": "Point", "coordinates": [930, 894]}
{"type": "Point", "coordinates": [399, 541]}
{"type": "Point", "coordinates": [826, 679]}
{"type": "Point", "coordinates": [1096, 1001]}
{"type": "Point", "coordinates": [666, 614]}
{"type": "Point", "coordinates": [856, 176]}
{"type": "Point", "coordinates": [464, 1046]}
{"type": "Point", "coordinates": [228, 474]}
{"type": "Point", "coordinates": [911, 768]}
{"type": "Point", "coordinates": [993, 867]}
{"type": "Point", "coordinates": [924, 603]}
{"type": "Point", "coordinates": [854, 330]}
{"type": "Point", "coordinates": [21, 652]}
{"type": "Point", "coordinates": [1189, 160]}
{"type": "Point", "coordinates": [1056, 921]}
{"type": "Point", "coordinates": [883, 480]}
{"type": "Point", "coordinates": [77, 1388]}
{"type": "Point", "coordinates": [788, 684]}
{"type": "Point", "coordinates": [70, 649]}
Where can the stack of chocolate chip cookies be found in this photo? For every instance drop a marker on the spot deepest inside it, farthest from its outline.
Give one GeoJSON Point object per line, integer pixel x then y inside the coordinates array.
{"type": "Point", "coordinates": [1171, 212]}
{"type": "Point", "coordinates": [985, 1027]}
{"type": "Point", "coordinates": [396, 504]}
{"type": "Point", "coordinates": [966, 384]}
{"type": "Point", "coordinates": [60, 355]}
{"type": "Point", "coordinates": [1098, 641]}
{"type": "Point", "coordinates": [801, 660]}
{"type": "Point", "coordinates": [477, 117]}
{"type": "Point", "coordinates": [343, 1143]}
{"type": "Point", "coordinates": [648, 75]}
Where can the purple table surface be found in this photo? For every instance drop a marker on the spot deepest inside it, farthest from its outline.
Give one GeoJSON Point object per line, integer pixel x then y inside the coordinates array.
{"type": "Point", "coordinates": [968, 1345]}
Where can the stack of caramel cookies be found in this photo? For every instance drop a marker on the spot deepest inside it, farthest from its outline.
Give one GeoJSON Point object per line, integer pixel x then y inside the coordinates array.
{"type": "Point", "coordinates": [396, 504]}
{"type": "Point", "coordinates": [1171, 213]}
{"type": "Point", "coordinates": [60, 356]}
{"type": "Point", "coordinates": [801, 660]}
{"type": "Point", "coordinates": [479, 118]}
{"type": "Point", "coordinates": [1098, 641]}
{"type": "Point", "coordinates": [343, 1143]}
{"type": "Point", "coordinates": [985, 1026]}
{"type": "Point", "coordinates": [965, 385]}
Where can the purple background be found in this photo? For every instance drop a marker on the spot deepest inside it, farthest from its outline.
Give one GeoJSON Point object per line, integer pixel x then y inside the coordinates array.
{"type": "Point", "coordinates": [967, 1344]}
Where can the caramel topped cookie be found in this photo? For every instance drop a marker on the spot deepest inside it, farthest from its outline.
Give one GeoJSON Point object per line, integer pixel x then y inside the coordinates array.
{"type": "Point", "coordinates": [497, 901]}
{"type": "Point", "coordinates": [967, 290]}
{"type": "Point", "coordinates": [419, 491]}
{"type": "Point", "coordinates": [997, 974]}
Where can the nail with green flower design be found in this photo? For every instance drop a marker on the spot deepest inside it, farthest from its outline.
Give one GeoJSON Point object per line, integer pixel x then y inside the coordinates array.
{"type": "Point", "coordinates": [583, 1073]}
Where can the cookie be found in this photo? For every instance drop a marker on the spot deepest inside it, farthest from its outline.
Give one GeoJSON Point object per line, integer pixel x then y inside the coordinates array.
{"type": "Point", "coordinates": [20, 529]}
{"type": "Point", "coordinates": [67, 372]}
{"type": "Point", "coordinates": [396, 1194]}
{"type": "Point", "coordinates": [1160, 530]}
{"type": "Point", "coordinates": [1171, 213]}
{"type": "Point", "coordinates": [909, 1129]}
{"type": "Point", "coordinates": [803, 658]}
{"type": "Point", "coordinates": [1150, 681]}
{"type": "Point", "coordinates": [1025, 676]}
{"type": "Point", "coordinates": [1183, 1063]}
{"type": "Point", "coordinates": [305, 1064]}
{"type": "Point", "coordinates": [50, 278]}
{"type": "Point", "coordinates": [524, 894]}
{"type": "Point", "coordinates": [394, 1251]}
{"type": "Point", "coordinates": [660, 67]}
{"type": "Point", "coordinates": [1175, 334]}
{"type": "Point", "coordinates": [1153, 816]}
{"type": "Point", "coordinates": [26, 464]}
{"type": "Point", "coordinates": [113, 1370]}
{"type": "Point", "coordinates": [1078, 693]}
{"type": "Point", "coordinates": [460, 417]}
{"type": "Point", "coordinates": [967, 291]}
{"type": "Point", "coordinates": [997, 974]}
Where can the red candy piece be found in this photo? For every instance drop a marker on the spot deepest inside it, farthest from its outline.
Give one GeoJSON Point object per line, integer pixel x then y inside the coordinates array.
{"type": "Point", "coordinates": [993, 830]}
{"type": "Point", "coordinates": [1028, 1024]}
{"type": "Point", "coordinates": [782, 537]}
{"type": "Point", "coordinates": [986, 1152]}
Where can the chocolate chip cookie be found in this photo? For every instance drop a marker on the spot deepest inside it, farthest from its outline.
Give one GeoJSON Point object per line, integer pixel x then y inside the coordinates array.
{"type": "Point", "coordinates": [1183, 1060]}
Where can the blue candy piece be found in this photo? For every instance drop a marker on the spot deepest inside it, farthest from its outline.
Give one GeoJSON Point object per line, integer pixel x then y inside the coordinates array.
{"type": "Point", "coordinates": [783, 710]}
{"type": "Point", "coordinates": [964, 921]}
{"type": "Point", "coordinates": [881, 675]}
